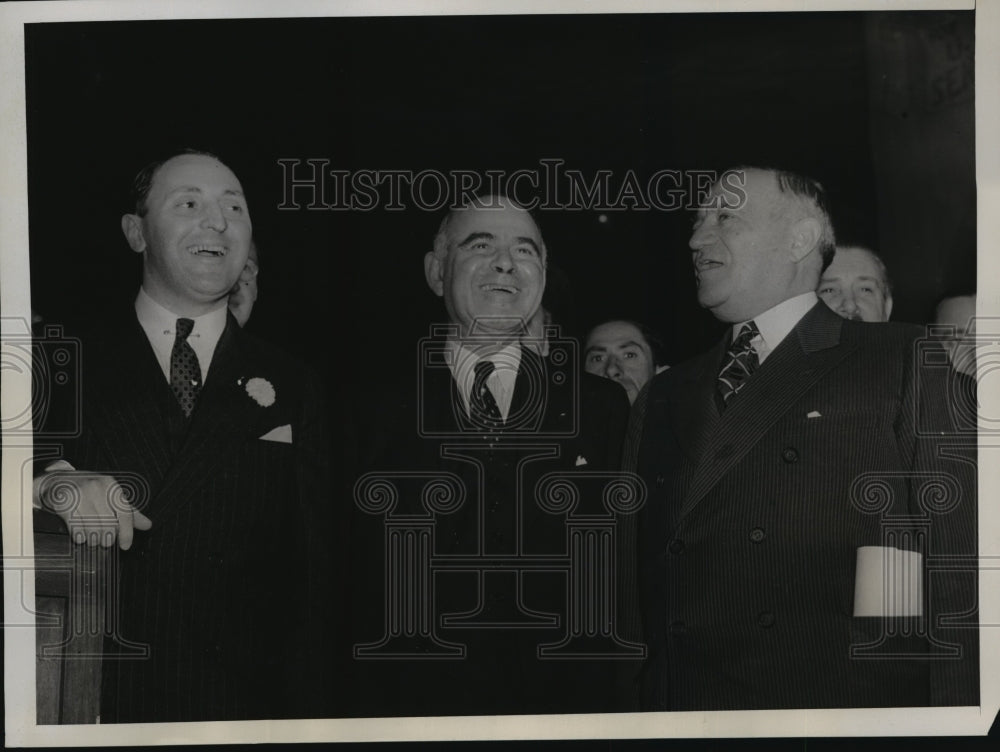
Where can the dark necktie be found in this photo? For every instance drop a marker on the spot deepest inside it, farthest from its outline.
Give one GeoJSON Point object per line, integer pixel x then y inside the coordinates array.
{"type": "Point", "coordinates": [185, 372]}
{"type": "Point", "coordinates": [740, 362]}
{"type": "Point", "coordinates": [482, 407]}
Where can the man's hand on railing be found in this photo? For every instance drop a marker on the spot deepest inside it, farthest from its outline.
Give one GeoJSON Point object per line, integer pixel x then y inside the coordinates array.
{"type": "Point", "coordinates": [93, 506]}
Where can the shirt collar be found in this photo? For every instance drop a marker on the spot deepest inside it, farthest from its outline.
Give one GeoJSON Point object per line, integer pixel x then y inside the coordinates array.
{"type": "Point", "coordinates": [160, 324]}
{"type": "Point", "coordinates": [155, 317]}
{"type": "Point", "coordinates": [775, 323]}
{"type": "Point", "coordinates": [462, 361]}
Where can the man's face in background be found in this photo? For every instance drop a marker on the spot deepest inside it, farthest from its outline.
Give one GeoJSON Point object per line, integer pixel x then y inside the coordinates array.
{"type": "Point", "coordinates": [244, 293]}
{"type": "Point", "coordinates": [854, 286]}
{"type": "Point", "coordinates": [959, 312]}
{"type": "Point", "coordinates": [617, 350]}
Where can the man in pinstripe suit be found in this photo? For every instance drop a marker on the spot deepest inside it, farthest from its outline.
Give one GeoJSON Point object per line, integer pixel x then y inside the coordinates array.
{"type": "Point", "coordinates": [219, 435]}
{"type": "Point", "coordinates": [771, 459]}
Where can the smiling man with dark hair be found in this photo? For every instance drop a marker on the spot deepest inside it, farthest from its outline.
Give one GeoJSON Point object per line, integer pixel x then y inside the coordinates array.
{"type": "Point", "coordinates": [623, 351]}
{"type": "Point", "coordinates": [220, 579]}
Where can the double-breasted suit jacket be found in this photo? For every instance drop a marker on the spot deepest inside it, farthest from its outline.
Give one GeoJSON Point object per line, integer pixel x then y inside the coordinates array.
{"type": "Point", "coordinates": [559, 422]}
{"type": "Point", "coordinates": [747, 546]}
{"type": "Point", "coordinates": [214, 608]}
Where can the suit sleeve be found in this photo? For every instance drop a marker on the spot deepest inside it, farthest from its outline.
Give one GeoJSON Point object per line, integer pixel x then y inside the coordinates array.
{"type": "Point", "coordinates": [633, 432]}
{"type": "Point", "coordinates": [616, 421]}
{"type": "Point", "coordinates": [317, 673]}
{"type": "Point", "coordinates": [627, 593]}
{"type": "Point", "coordinates": [942, 489]}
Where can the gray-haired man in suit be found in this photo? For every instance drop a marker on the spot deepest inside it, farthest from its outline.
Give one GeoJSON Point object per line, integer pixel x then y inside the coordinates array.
{"type": "Point", "coordinates": [497, 418]}
{"type": "Point", "coordinates": [772, 460]}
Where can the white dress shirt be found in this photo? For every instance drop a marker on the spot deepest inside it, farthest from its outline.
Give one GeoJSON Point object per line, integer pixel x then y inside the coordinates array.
{"type": "Point", "coordinates": [159, 325]}
{"type": "Point", "coordinates": [462, 362]}
{"type": "Point", "coordinates": [775, 323]}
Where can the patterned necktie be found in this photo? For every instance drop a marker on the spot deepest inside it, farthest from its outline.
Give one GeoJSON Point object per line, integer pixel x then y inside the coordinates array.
{"type": "Point", "coordinates": [482, 407]}
{"type": "Point", "coordinates": [740, 363]}
{"type": "Point", "coordinates": [185, 372]}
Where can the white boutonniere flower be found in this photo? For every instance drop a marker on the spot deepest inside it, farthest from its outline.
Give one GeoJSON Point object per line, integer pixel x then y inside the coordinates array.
{"type": "Point", "coordinates": [261, 391]}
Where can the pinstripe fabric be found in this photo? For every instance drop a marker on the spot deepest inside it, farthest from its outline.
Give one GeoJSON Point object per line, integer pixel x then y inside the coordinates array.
{"type": "Point", "coordinates": [747, 546]}
{"type": "Point", "coordinates": [218, 589]}
{"type": "Point", "coordinates": [626, 572]}
{"type": "Point", "coordinates": [628, 606]}
{"type": "Point", "coordinates": [501, 672]}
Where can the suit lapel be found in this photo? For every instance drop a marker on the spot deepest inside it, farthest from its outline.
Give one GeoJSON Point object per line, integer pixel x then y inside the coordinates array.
{"type": "Point", "coordinates": [441, 402]}
{"type": "Point", "coordinates": [538, 403]}
{"type": "Point", "coordinates": [523, 387]}
{"type": "Point", "coordinates": [220, 424]}
{"type": "Point", "coordinates": [129, 396]}
{"type": "Point", "coordinates": [697, 417]}
{"type": "Point", "coordinates": [810, 350]}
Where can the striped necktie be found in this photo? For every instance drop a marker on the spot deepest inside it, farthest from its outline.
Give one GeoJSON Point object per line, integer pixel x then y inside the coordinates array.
{"type": "Point", "coordinates": [739, 364]}
{"type": "Point", "coordinates": [482, 406]}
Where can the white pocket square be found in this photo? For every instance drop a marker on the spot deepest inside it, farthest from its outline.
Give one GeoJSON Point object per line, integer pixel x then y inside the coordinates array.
{"type": "Point", "coordinates": [813, 414]}
{"type": "Point", "coordinates": [580, 460]}
{"type": "Point", "coordinates": [281, 434]}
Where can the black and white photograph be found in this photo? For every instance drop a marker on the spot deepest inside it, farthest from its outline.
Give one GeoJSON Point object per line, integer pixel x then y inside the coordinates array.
{"type": "Point", "coordinates": [529, 372]}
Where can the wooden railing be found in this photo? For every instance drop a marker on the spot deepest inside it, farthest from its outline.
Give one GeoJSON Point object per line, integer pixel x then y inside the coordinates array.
{"type": "Point", "coordinates": [69, 625]}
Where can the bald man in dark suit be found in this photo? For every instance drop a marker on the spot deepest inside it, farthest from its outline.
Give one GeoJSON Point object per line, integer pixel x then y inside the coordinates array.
{"type": "Point", "coordinates": [778, 463]}
{"type": "Point", "coordinates": [475, 462]}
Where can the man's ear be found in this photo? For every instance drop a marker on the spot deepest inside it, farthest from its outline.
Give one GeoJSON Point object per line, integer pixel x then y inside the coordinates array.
{"type": "Point", "coordinates": [132, 228]}
{"type": "Point", "coordinates": [805, 237]}
{"type": "Point", "coordinates": [888, 306]}
{"type": "Point", "coordinates": [434, 273]}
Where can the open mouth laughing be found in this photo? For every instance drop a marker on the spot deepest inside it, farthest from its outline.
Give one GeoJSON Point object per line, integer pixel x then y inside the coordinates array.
{"type": "Point", "coordinates": [499, 288]}
{"type": "Point", "coordinates": [208, 250]}
{"type": "Point", "coordinates": [706, 264]}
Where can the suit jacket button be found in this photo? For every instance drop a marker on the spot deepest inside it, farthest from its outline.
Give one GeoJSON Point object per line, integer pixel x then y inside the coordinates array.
{"type": "Point", "coordinates": [660, 480]}
{"type": "Point", "coordinates": [676, 547]}
{"type": "Point", "coordinates": [789, 455]}
{"type": "Point", "coordinates": [757, 534]}
{"type": "Point", "coordinates": [765, 619]}
{"type": "Point", "coordinates": [677, 628]}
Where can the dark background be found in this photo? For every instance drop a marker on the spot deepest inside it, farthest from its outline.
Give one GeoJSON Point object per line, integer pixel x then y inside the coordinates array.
{"type": "Point", "coordinates": [878, 106]}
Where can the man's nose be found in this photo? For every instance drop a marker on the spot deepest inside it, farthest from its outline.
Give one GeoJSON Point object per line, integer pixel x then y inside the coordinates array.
{"type": "Point", "coordinates": [503, 261]}
{"type": "Point", "coordinates": [613, 369]}
{"type": "Point", "coordinates": [848, 304]}
{"type": "Point", "coordinates": [213, 218]}
{"type": "Point", "coordinates": [703, 235]}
